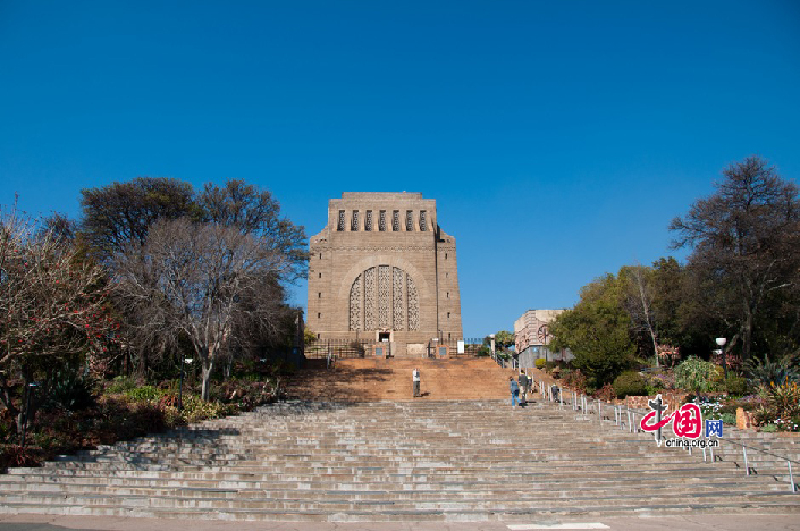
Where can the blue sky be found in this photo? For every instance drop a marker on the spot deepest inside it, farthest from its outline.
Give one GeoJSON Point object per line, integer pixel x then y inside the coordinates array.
{"type": "Point", "coordinates": [558, 138]}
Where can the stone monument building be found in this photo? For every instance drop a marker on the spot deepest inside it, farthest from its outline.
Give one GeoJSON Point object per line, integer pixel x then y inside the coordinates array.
{"type": "Point", "coordinates": [383, 270]}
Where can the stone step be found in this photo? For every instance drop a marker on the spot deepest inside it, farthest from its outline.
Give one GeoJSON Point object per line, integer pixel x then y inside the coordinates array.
{"type": "Point", "coordinates": [433, 501]}
{"type": "Point", "coordinates": [763, 505]}
{"type": "Point", "coordinates": [421, 460]}
{"type": "Point", "coordinates": [275, 489]}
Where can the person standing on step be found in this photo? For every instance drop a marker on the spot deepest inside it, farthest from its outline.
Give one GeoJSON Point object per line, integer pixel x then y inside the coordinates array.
{"type": "Point", "coordinates": [514, 391]}
{"type": "Point", "coordinates": [524, 383]}
{"type": "Point", "coordinates": [415, 382]}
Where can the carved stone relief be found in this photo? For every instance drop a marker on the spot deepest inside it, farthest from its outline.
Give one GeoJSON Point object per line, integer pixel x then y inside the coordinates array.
{"type": "Point", "coordinates": [386, 297]}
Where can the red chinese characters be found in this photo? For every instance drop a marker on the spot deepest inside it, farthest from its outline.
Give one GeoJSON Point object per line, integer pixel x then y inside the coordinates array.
{"type": "Point", "coordinates": [686, 422]}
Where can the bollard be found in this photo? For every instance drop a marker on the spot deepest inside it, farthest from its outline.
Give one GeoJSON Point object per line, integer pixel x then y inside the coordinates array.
{"type": "Point", "coordinates": [746, 465]}
{"type": "Point", "coordinates": [704, 455]}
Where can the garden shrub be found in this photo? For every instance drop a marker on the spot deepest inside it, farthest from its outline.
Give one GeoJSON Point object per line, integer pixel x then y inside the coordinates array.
{"type": "Point", "coordinates": [540, 363]}
{"type": "Point", "coordinates": [765, 372]}
{"type": "Point", "coordinates": [70, 390]}
{"type": "Point", "coordinates": [120, 384]}
{"type": "Point", "coordinates": [145, 393]}
{"type": "Point", "coordinates": [195, 410]}
{"type": "Point", "coordinates": [606, 393]}
{"type": "Point", "coordinates": [736, 386]}
{"type": "Point", "coordinates": [695, 375]}
{"type": "Point", "coordinates": [630, 383]}
{"type": "Point", "coordinates": [782, 404]}
{"type": "Point", "coordinates": [577, 380]}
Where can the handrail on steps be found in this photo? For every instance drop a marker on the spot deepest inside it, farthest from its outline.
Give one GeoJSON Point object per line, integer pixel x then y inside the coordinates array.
{"type": "Point", "coordinates": [580, 402]}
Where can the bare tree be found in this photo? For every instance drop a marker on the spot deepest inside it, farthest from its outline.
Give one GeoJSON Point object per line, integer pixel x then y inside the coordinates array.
{"type": "Point", "coordinates": [53, 307]}
{"type": "Point", "coordinates": [200, 279]}
{"type": "Point", "coordinates": [639, 303]}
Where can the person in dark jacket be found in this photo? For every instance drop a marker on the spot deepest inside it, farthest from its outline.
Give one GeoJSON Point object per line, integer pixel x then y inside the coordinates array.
{"type": "Point", "coordinates": [514, 391]}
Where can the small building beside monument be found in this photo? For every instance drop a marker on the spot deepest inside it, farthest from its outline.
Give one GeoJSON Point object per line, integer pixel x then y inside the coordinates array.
{"type": "Point", "coordinates": [532, 338]}
{"type": "Point", "coordinates": [383, 270]}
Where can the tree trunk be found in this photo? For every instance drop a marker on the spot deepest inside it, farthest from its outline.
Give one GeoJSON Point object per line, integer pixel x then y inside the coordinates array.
{"type": "Point", "coordinates": [206, 388]}
{"type": "Point", "coordinates": [747, 335]}
{"type": "Point", "coordinates": [655, 344]}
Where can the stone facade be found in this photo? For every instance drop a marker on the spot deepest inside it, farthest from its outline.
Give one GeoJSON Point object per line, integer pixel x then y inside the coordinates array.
{"type": "Point", "coordinates": [383, 269]}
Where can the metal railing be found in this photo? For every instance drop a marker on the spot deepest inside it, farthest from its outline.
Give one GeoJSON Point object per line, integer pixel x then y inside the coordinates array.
{"type": "Point", "coordinates": [327, 349]}
{"type": "Point", "coordinates": [586, 406]}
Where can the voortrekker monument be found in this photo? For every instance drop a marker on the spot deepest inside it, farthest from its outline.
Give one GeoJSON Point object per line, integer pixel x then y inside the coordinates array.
{"type": "Point", "coordinates": [383, 270]}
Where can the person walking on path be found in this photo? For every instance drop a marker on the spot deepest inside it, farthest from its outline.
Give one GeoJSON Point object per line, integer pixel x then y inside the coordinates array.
{"type": "Point", "coordinates": [524, 383]}
{"type": "Point", "coordinates": [514, 391]}
{"type": "Point", "coordinates": [415, 382]}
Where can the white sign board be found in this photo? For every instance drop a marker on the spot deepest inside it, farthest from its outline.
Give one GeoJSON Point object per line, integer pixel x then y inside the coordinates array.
{"type": "Point", "coordinates": [460, 347]}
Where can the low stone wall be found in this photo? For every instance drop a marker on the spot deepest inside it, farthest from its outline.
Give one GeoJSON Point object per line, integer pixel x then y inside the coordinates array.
{"type": "Point", "coordinates": [671, 398]}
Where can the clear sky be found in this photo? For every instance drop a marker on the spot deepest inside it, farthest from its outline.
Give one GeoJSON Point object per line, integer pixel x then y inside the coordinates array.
{"type": "Point", "coordinates": [559, 138]}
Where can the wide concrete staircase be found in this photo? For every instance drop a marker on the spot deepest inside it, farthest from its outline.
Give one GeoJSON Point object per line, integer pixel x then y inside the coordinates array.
{"type": "Point", "coordinates": [425, 460]}
{"type": "Point", "coordinates": [375, 379]}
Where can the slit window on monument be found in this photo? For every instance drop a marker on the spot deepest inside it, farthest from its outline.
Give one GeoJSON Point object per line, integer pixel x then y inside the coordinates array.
{"type": "Point", "coordinates": [396, 220]}
{"type": "Point", "coordinates": [409, 220]}
{"type": "Point", "coordinates": [340, 223]}
{"type": "Point", "coordinates": [382, 220]}
{"type": "Point", "coordinates": [423, 220]}
{"type": "Point", "coordinates": [368, 220]}
{"type": "Point", "coordinates": [354, 223]}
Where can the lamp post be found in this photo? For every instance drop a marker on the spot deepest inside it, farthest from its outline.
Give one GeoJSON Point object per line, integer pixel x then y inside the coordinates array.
{"type": "Point", "coordinates": [721, 343]}
{"type": "Point", "coordinates": [180, 386]}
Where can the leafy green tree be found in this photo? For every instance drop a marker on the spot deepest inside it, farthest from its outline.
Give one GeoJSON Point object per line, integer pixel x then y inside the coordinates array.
{"type": "Point", "coordinates": [503, 339]}
{"type": "Point", "coordinates": [745, 241]}
{"type": "Point", "coordinates": [121, 213]}
{"type": "Point", "coordinates": [597, 330]}
{"type": "Point", "coordinates": [666, 283]}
